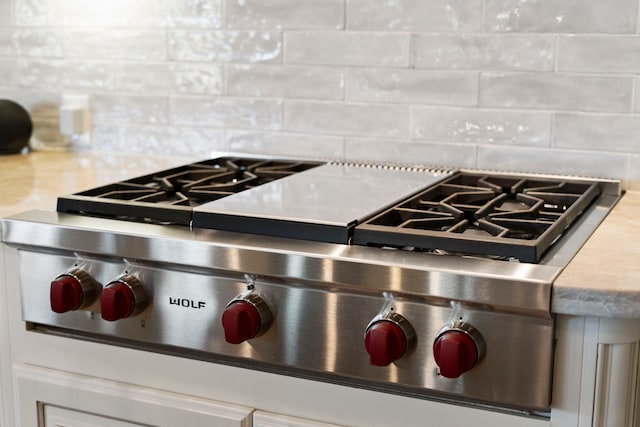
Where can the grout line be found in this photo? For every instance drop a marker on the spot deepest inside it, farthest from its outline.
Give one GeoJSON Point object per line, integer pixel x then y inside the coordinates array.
{"type": "Point", "coordinates": [552, 131]}
{"type": "Point", "coordinates": [223, 15]}
{"type": "Point", "coordinates": [634, 97]}
{"type": "Point", "coordinates": [344, 15]}
{"type": "Point", "coordinates": [638, 18]}
{"type": "Point", "coordinates": [556, 53]}
{"type": "Point", "coordinates": [477, 156]}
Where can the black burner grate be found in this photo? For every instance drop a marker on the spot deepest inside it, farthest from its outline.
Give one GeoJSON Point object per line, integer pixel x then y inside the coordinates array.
{"type": "Point", "coordinates": [492, 215]}
{"type": "Point", "coordinates": [169, 196]}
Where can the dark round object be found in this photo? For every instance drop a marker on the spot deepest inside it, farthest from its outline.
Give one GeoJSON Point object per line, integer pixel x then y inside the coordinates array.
{"type": "Point", "coordinates": [15, 127]}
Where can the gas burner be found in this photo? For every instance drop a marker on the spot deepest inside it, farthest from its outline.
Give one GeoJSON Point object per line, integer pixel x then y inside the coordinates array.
{"type": "Point", "coordinates": [167, 197]}
{"type": "Point", "coordinates": [493, 215]}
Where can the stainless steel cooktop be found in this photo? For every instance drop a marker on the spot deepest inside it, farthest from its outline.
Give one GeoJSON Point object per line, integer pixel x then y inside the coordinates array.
{"type": "Point", "coordinates": [506, 216]}
{"type": "Point", "coordinates": [425, 282]}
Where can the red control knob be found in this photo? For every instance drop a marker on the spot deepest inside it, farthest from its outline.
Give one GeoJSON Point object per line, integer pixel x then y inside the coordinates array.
{"type": "Point", "coordinates": [455, 352]}
{"type": "Point", "coordinates": [122, 298]}
{"type": "Point", "coordinates": [66, 294]}
{"type": "Point", "coordinates": [385, 342]}
{"type": "Point", "coordinates": [387, 338]}
{"type": "Point", "coordinates": [245, 318]}
{"type": "Point", "coordinates": [71, 291]}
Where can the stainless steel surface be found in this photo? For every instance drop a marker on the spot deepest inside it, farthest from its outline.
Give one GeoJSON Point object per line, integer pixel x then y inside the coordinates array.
{"type": "Point", "coordinates": [514, 287]}
{"type": "Point", "coordinates": [332, 194]}
{"type": "Point", "coordinates": [321, 297]}
{"type": "Point", "coordinates": [316, 328]}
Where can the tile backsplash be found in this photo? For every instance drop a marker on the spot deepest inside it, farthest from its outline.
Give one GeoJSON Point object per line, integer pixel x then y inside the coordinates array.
{"type": "Point", "coordinates": [539, 86]}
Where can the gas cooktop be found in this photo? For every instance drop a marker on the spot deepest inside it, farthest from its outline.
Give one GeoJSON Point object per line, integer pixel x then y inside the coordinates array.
{"type": "Point", "coordinates": [169, 195]}
{"type": "Point", "coordinates": [505, 216]}
{"type": "Point", "coordinates": [499, 215]}
{"type": "Point", "coordinates": [400, 276]}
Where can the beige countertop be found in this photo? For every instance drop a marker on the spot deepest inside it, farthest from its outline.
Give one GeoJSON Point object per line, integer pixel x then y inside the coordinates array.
{"type": "Point", "coordinates": [604, 277]}
{"type": "Point", "coordinates": [602, 280]}
{"type": "Point", "coordinates": [35, 180]}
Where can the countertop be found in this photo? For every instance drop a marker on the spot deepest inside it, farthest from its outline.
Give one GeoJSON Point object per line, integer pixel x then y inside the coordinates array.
{"type": "Point", "coordinates": [604, 277]}
{"type": "Point", "coordinates": [602, 280]}
{"type": "Point", "coordinates": [36, 179]}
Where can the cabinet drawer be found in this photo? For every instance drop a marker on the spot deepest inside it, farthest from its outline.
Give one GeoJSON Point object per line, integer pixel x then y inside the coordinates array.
{"type": "Point", "coordinates": [54, 416]}
{"type": "Point", "coordinates": [93, 402]}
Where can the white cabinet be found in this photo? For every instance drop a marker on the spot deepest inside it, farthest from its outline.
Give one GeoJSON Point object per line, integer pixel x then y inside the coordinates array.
{"type": "Point", "coordinates": [54, 416]}
{"type": "Point", "coordinates": [49, 398]}
{"type": "Point", "coordinates": [597, 373]}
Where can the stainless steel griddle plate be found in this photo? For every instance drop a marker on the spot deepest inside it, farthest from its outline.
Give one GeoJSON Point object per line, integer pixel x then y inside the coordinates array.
{"type": "Point", "coordinates": [322, 204]}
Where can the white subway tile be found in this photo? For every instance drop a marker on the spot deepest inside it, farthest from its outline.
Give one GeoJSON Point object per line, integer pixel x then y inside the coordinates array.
{"type": "Point", "coordinates": [636, 97]}
{"type": "Point", "coordinates": [413, 86]}
{"type": "Point", "coordinates": [335, 118]}
{"type": "Point", "coordinates": [415, 15]}
{"type": "Point", "coordinates": [502, 127]}
{"type": "Point", "coordinates": [599, 54]}
{"type": "Point", "coordinates": [9, 72]}
{"type": "Point", "coordinates": [129, 109]}
{"type": "Point", "coordinates": [556, 92]}
{"type": "Point", "coordinates": [38, 42]}
{"type": "Point", "coordinates": [598, 132]}
{"type": "Point", "coordinates": [347, 48]}
{"type": "Point", "coordinates": [286, 144]}
{"type": "Point", "coordinates": [116, 44]}
{"type": "Point", "coordinates": [6, 13]}
{"type": "Point", "coordinates": [410, 152]}
{"type": "Point", "coordinates": [239, 113]}
{"type": "Point", "coordinates": [120, 13]}
{"type": "Point", "coordinates": [195, 141]}
{"type": "Point", "coordinates": [196, 79]}
{"type": "Point", "coordinates": [553, 161]}
{"type": "Point", "coordinates": [194, 13]}
{"type": "Point", "coordinates": [141, 77]}
{"type": "Point", "coordinates": [112, 13]}
{"type": "Point", "coordinates": [484, 51]}
{"type": "Point", "coordinates": [30, 42]}
{"type": "Point", "coordinates": [33, 12]}
{"type": "Point", "coordinates": [561, 16]}
{"type": "Point", "coordinates": [287, 14]}
{"type": "Point", "coordinates": [167, 140]}
{"type": "Point", "coordinates": [71, 75]}
{"type": "Point", "coordinates": [633, 183]}
{"type": "Point", "coordinates": [288, 81]}
{"type": "Point", "coordinates": [7, 47]}
{"type": "Point", "coordinates": [225, 46]}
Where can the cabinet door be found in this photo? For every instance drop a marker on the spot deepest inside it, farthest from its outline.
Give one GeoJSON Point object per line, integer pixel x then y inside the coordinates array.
{"type": "Point", "coordinates": [54, 416]}
{"type": "Point", "coordinates": [81, 401]}
{"type": "Point", "coordinates": [267, 419]}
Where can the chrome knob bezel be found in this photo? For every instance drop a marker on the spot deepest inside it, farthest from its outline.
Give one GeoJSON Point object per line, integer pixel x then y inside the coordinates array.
{"type": "Point", "coordinates": [470, 331]}
{"type": "Point", "coordinates": [90, 286]}
{"type": "Point", "coordinates": [140, 297]}
{"type": "Point", "coordinates": [399, 320]}
{"type": "Point", "coordinates": [261, 306]}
